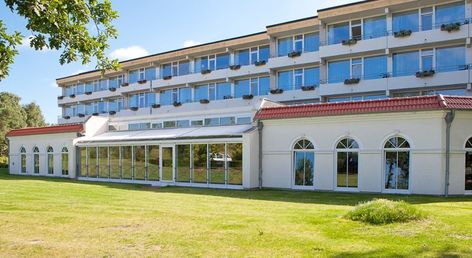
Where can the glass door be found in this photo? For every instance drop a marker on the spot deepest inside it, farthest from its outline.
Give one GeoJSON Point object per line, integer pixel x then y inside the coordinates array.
{"type": "Point", "coordinates": [167, 163]}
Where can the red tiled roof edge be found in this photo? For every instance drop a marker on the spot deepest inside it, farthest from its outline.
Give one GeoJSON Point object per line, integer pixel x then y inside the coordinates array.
{"type": "Point", "coordinates": [422, 103]}
{"type": "Point", "coordinates": [65, 128]}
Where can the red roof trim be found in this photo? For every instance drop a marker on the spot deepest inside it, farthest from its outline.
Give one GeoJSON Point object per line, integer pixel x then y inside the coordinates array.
{"type": "Point", "coordinates": [66, 128]}
{"type": "Point", "coordinates": [422, 103]}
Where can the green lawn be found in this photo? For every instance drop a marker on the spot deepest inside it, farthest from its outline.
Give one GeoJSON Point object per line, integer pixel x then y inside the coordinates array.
{"type": "Point", "coordinates": [59, 217]}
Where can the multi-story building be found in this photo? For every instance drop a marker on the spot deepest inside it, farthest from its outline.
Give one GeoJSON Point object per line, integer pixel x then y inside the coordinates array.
{"type": "Point", "coordinates": [187, 116]}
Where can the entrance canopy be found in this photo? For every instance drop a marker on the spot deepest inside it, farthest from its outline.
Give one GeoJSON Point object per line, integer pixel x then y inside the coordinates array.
{"type": "Point", "coordinates": [168, 134]}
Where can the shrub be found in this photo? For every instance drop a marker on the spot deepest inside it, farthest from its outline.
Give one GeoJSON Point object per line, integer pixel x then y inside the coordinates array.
{"type": "Point", "coordinates": [3, 162]}
{"type": "Point", "coordinates": [381, 211]}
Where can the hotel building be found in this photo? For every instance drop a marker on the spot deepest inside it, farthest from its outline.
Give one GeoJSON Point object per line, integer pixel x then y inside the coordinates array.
{"type": "Point", "coordinates": [373, 96]}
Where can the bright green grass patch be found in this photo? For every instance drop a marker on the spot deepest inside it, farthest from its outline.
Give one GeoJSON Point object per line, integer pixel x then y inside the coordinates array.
{"type": "Point", "coordinates": [382, 211]}
{"type": "Point", "coordinates": [46, 217]}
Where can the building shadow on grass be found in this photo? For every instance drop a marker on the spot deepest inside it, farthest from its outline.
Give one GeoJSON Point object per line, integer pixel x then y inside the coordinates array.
{"type": "Point", "coordinates": [276, 195]}
{"type": "Point", "coordinates": [424, 251]}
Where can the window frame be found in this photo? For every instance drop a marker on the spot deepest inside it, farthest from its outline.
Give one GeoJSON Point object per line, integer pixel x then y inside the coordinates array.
{"type": "Point", "coordinates": [347, 150]}
{"type": "Point", "coordinates": [396, 150]}
{"type": "Point", "coordinates": [305, 149]}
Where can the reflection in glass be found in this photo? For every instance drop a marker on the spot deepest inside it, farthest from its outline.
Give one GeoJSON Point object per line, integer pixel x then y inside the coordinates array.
{"type": "Point", "coordinates": [153, 162]}
{"type": "Point", "coordinates": [183, 163]}
{"type": "Point", "coordinates": [83, 162]}
{"type": "Point", "coordinates": [126, 163]}
{"type": "Point", "coordinates": [405, 63]}
{"type": "Point", "coordinates": [167, 164]}
{"type": "Point", "coordinates": [139, 163]}
{"type": "Point", "coordinates": [103, 162]}
{"type": "Point", "coordinates": [347, 175]}
{"type": "Point", "coordinates": [199, 163]}
{"type": "Point", "coordinates": [217, 163]}
{"type": "Point", "coordinates": [338, 32]}
{"type": "Point", "coordinates": [338, 71]}
{"type": "Point", "coordinates": [304, 168]}
{"type": "Point", "coordinates": [406, 21]}
{"type": "Point", "coordinates": [396, 169]}
{"type": "Point", "coordinates": [115, 162]}
{"type": "Point", "coordinates": [92, 161]}
{"type": "Point", "coordinates": [235, 163]}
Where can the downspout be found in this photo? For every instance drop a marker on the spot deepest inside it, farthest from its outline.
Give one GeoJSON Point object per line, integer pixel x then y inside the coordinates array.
{"type": "Point", "coordinates": [448, 118]}
{"type": "Point", "coordinates": [260, 125]}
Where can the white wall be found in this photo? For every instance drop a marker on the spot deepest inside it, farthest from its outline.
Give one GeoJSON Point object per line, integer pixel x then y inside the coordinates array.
{"type": "Point", "coordinates": [43, 141]}
{"type": "Point", "coordinates": [424, 131]}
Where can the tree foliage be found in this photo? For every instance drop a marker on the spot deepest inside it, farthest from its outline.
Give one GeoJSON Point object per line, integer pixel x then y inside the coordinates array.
{"type": "Point", "coordinates": [81, 28]}
{"type": "Point", "coordinates": [14, 116]}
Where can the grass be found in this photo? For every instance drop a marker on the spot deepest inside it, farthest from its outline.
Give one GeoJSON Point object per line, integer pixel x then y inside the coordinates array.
{"type": "Point", "coordinates": [382, 211]}
{"type": "Point", "coordinates": [60, 217]}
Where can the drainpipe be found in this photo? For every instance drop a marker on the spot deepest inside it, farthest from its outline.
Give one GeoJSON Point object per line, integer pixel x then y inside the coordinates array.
{"type": "Point", "coordinates": [448, 118]}
{"type": "Point", "coordinates": [260, 125]}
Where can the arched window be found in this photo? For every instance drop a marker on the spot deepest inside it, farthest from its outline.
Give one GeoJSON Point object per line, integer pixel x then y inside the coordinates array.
{"type": "Point", "coordinates": [50, 160]}
{"type": "Point", "coordinates": [468, 165]}
{"type": "Point", "coordinates": [23, 159]}
{"type": "Point", "coordinates": [397, 163]}
{"type": "Point", "coordinates": [304, 163]}
{"type": "Point", "coordinates": [36, 159]}
{"type": "Point", "coordinates": [347, 157]}
{"type": "Point", "coordinates": [65, 161]}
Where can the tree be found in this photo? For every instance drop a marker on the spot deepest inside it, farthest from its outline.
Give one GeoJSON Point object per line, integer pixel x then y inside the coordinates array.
{"type": "Point", "coordinates": [13, 116]}
{"type": "Point", "coordinates": [62, 24]}
{"type": "Point", "coordinates": [34, 117]}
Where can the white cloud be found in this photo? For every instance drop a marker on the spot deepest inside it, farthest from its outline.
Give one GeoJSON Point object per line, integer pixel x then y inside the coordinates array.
{"type": "Point", "coordinates": [189, 43]}
{"type": "Point", "coordinates": [128, 52]}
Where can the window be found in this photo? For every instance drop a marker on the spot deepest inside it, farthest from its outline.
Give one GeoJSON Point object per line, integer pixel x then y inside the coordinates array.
{"type": "Point", "coordinates": [201, 92]}
{"type": "Point", "coordinates": [397, 163]}
{"type": "Point", "coordinates": [139, 155]}
{"type": "Point", "coordinates": [65, 161]}
{"type": "Point", "coordinates": [212, 121]}
{"type": "Point", "coordinates": [184, 67]}
{"type": "Point", "coordinates": [298, 43]}
{"type": "Point", "coordinates": [222, 61]}
{"type": "Point", "coordinates": [242, 57]}
{"type": "Point", "coordinates": [427, 59]}
{"type": "Point", "coordinates": [92, 164]}
{"type": "Point", "coordinates": [170, 124]}
{"type": "Point", "coordinates": [304, 163]}
{"type": "Point", "coordinates": [284, 46]}
{"type": "Point", "coordinates": [205, 63]}
{"type": "Point", "coordinates": [356, 68]}
{"type": "Point", "coordinates": [241, 88]}
{"type": "Point", "coordinates": [133, 76]}
{"type": "Point", "coordinates": [406, 21]}
{"type": "Point", "coordinates": [223, 90]}
{"type": "Point", "coordinates": [374, 27]}
{"type": "Point", "coordinates": [356, 29]}
{"type": "Point", "coordinates": [227, 121]}
{"type": "Point", "coordinates": [244, 120]}
{"type": "Point", "coordinates": [234, 158]}
{"type": "Point", "coordinates": [153, 162]}
{"type": "Point", "coordinates": [217, 159]}
{"type": "Point", "coordinates": [295, 79]}
{"type": "Point", "coordinates": [183, 163]}
{"type": "Point", "coordinates": [347, 156]}
{"type": "Point", "coordinates": [303, 43]}
{"type": "Point", "coordinates": [338, 71]}
{"type": "Point", "coordinates": [150, 73]}
{"type": "Point", "coordinates": [89, 87]}
{"type": "Point", "coordinates": [264, 86]}
{"type": "Point", "coordinates": [406, 63]}
{"type": "Point", "coordinates": [166, 97]}
{"type": "Point", "coordinates": [80, 89]}
{"type": "Point", "coordinates": [166, 70]}
{"type": "Point", "coordinates": [426, 18]}
{"type": "Point", "coordinates": [83, 162]}
{"type": "Point", "coordinates": [375, 67]}
{"type": "Point", "coordinates": [103, 85]}
{"type": "Point", "coordinates": [450, 59]}
{"type": "Point", "coordinates": [338, 32]}
{"type": "Point", "coordinates": [115, 82]}
{"type": "Point", "coordinates": [200, 159]}
{"type": "Point", "coordinates": [114, 157]}
{"type": "Point", "coordinates": [468, 165]}
{"type": "Point", "coordinates": [450, 13]}
{"type": "Point", "coordinates": [183, 123]}
{"type": "Point", "coordinates": [36, 160]}
{"type": "Point", "coordinates": [23, 159]}
{"type": "Point", "coordinates": [197, 123]}
{"type": "Point", "coordinates": [185, 95]}
{"type": "Point", "coordinates": [103, 169]}
{"type": "Point", "coordinates": [285, 80]}
{"type": "Point", "coordinates": [311, 42]}
{"type": "Point", "coordinates": [50, 160]}
{"type": "Point", "coordinates": [126, 162]}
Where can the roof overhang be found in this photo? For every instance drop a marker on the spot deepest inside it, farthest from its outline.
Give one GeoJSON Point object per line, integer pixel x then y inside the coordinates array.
{"type": "Point", "coordinates": [65, 128]}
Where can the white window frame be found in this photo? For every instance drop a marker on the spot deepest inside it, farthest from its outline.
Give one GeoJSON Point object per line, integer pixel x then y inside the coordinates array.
{"type": "Point", "coordinates": [385, 150]}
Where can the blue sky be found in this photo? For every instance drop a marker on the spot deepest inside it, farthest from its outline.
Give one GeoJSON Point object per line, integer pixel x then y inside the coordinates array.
{"type": "Point", "coordinates": [147, 27]}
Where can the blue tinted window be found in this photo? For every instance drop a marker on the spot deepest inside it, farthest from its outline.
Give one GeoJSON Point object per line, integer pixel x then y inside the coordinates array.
{"type": "Point", "coordinates": [450, 13]}
{"type": "Point", "coordinates": [285, 80]}
{"type": "Point", "coordinates": [201, 64]}
{"type": "Point", "coordinates": [133, 101]}
{"type": "Point", "coordinates": [312, 42]}
{"type": "Point", "coordinates": [406, 63]}
{"type": "Point", "coordinates": [166, 70]}
{"type": "Point", "coordinates": [222, 61]}
{"type": "Point", "coordinates": [223, 89]}
{"type": "Point", "coordinates": [102, 108]}
{"type": "Point", "coordinates": [264, 53]}
{"type": "Point", "coordinates": [450, 59]}
{"type": "Point", "coordinates": [241, 88]}
{"type": "Point", "coordinates": [113, 82]}
{"type": "Point", "coordinates": [103, 84]}
{"type": "Point", "coordinates": [150, 73]}
{"type": "Point", "coordinates": [184, 67]}
{"type": "Point", "coordinates": [227, 121]}
{"type": "Point", "coordinates": [372, 97]}
{"type": "Point", "coordinates": [311, 76]}
{"type": "Point", "coordinates": [212, 121]}
{"type": "Point", "coordinates": [80, 88]}
{"type": "Point", "coordinates": [89, 109]}
{"type": "Point", "coordinates": [375, 27]}
{"type": "Point", "coordinates": [375, 67]}
{"type": "Point", "coordinates": [89, 87]}
{"type": "Point", "coordinates": [112, 106]}
{"type": "Point", "coordinates": [338, 71]}
{"type": "Point", "coordinates": [284, 46]}
{"type": "Point", "coordinates": [338, 32]}
{"type": "Point", "coordinates": [133, 76]}
{"type": "Point", "coordinates": [166, 97]}
{"type": "Point", "coordinates": [201, 92]}
{"type": "Point", "coordinates": [185, 95]}
{"type": "Point", "coordinates": [243, 120]}
{"type": "Point", "coordinates": [242, 57]}
{"type": "Point", "coordinates": [406, 21]}
{"type": "Point", "coordinates": [456, 92]}
{"type": "Point", "coordinates": [150, 99]}
{"type": "Point", "coordinates": [264, 85]}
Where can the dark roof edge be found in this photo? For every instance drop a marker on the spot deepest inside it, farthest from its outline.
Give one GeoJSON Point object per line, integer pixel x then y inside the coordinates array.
{"type": "Point", "coordinates": [344, 5]}
{"type": "Point", "coordinates": [292, 21]}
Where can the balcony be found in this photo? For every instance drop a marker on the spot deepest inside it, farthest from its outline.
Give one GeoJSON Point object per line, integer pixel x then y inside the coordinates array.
{"type": "Point", "coordinates": [400, 81]}
{"type": "Point", "coordinates": [310, 92]}
{"type": "Point", "coordinates": [366, 45]}
{"type": "Point", "coordinates": [285, 61]}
